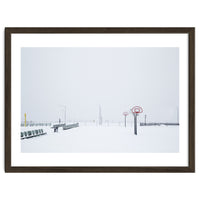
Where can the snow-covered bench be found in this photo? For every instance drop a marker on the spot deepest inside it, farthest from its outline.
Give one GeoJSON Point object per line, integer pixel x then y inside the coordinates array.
{"type": "Point", "coordinates": [56, 126]}
{"type": "Point", "coordinates": [32, 133]}
{"type": "Point", "coordinates": [69, 126]}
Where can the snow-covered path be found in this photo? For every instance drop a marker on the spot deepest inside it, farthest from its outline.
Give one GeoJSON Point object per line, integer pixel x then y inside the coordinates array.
{"type": "Point", "coordinates": [112, 139]}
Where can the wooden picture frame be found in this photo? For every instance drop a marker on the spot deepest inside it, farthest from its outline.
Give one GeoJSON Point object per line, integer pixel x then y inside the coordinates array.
{"type": "Point", "coordinates": [190, 32]}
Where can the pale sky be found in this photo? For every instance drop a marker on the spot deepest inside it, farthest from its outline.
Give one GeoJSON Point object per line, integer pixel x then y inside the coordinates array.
{"type": "Point", "coordinates": [84, 78]}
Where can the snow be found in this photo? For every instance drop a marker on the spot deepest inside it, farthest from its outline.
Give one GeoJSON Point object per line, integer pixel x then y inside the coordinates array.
{"type": "Point", "coordinates": [102, 139]}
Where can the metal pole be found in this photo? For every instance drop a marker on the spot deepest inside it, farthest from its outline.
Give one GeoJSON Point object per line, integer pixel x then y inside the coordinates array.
{"type": "Point", "coordinates": [135, 123]}
{"type": "Point", "coordinates": [145, 119]}
{"type": "Point", "coordinates": [100, 116]}
{"type": "Point", "coordinates": [125, 120]}
{"type": "Point", "coordinates": [177, 115]}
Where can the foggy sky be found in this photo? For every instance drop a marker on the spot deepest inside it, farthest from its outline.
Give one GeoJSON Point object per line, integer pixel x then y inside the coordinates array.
{"type": "Point", "coordinates": [84, 78]}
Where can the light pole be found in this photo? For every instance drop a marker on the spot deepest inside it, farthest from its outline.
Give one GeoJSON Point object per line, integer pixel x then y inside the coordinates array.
{"type": "Point", "coordinates": [100, 116]}
{"type": "Point", "coordinates": [65, 110]}
{"type": "Point", "coordinates": [177, 115]}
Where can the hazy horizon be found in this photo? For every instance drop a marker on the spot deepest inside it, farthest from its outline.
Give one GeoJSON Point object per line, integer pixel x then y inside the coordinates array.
{"type": "Point", "coordinates": [84, 78]}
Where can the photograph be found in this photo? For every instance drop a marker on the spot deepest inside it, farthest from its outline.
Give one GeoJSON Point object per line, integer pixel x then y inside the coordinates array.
{"type": "Point", "coordinates": [99, 100]}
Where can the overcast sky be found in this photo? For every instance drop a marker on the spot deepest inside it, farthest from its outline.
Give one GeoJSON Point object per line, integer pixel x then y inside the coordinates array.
{"type": "Point", "coordinates": [84, 78]}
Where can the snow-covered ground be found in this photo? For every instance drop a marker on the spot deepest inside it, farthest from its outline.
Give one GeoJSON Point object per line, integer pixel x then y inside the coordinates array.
{"type": "Point", "coordinates": [102, 139]}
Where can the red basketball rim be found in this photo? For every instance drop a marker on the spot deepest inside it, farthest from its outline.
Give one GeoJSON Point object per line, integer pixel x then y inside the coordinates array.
{"type": "Point", "coordinates": [137, 109]}
{"type": "Point", "coordinates": [125, 113]}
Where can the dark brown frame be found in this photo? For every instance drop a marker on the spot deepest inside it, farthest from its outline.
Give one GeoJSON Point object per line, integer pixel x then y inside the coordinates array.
{"type": "Point", "coordinates": [191, 98]}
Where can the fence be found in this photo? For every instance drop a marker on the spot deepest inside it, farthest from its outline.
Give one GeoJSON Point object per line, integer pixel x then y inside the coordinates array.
{"type": "Point", "coordinates": [158, 124]}
{"type": "Point", "coordinates": [36, 124]}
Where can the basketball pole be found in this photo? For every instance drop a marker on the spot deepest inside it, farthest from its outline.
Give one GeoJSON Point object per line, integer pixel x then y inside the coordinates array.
{"type": "Point", "coordinates": [135, 111]}
{"type": "Point", "coordinates": [125, 115]}
{"type": "Point", "coordinates": [135, 123]}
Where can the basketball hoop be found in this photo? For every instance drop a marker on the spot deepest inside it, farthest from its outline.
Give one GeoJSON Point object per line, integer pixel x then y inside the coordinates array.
{"type": "Point", "coordinates": [125, 113]}
{"type": "Point", "coordinates": [136, 109]}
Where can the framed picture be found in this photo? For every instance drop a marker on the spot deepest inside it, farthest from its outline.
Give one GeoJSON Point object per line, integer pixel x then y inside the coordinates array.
{"type": "Point", "coordinates": [99, 99]}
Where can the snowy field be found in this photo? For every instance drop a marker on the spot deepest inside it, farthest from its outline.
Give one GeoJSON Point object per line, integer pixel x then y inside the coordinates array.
{"type": "Point", "coordinates": [104, 139]}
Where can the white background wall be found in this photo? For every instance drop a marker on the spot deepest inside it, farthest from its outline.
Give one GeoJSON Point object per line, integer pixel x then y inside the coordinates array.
{"type": "Point", "coordinates": [116, 13]}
